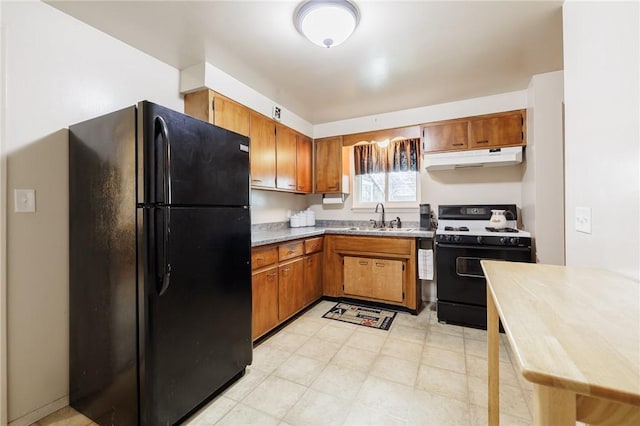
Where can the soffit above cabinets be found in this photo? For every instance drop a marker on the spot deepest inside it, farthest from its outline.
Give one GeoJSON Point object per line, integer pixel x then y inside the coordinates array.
{"type": "Point", "coordinates": [402, 55]}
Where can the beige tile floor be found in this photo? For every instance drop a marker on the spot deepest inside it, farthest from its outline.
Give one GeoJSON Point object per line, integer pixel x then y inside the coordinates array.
{"type": "Point", "coordinates": [317, 371]}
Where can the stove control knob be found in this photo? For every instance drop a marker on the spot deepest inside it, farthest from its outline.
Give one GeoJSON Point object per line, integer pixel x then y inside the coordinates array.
{"type": "Point", "coordinates": [504, 240]}
{"type": "Point", "coordinates": [447, 237]}
{"type": "Point", "coordinates": [514, 241]}
{"type": "Point", "coordinates": [480, 240]}
{"type": "Point", "coordinates": [457, 238]}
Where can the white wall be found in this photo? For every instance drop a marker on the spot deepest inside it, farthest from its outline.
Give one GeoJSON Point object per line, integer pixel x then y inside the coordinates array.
{"type": "Point", "coordinates": [602, 133]}
{"type": "Point", "coordinates": [272, 206]}
{"type": "Point", "coordinates": [59, 72]}
{"type": "Point", "coordinates": [543, 179]}
{"type": "Point", "coordinates": [483, 185]}
{"type": "Point", "coordinates": [3, 236]}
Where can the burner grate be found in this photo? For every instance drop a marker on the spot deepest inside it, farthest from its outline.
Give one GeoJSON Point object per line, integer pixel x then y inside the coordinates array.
{"type": "Point", "coordinates": [491, 229]}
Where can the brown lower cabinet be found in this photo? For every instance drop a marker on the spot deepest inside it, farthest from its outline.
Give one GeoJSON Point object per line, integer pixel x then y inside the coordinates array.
{"type": "Point", "coordinates": [379, 269]}
{"type": "Point", "coordinates": [265, 300]}
{"type": "Point", "coordinates": [287, 277]}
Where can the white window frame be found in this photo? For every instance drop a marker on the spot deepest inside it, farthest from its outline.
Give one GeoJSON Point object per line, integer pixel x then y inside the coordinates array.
{"type": "Point", "coordinates": [409, 205]}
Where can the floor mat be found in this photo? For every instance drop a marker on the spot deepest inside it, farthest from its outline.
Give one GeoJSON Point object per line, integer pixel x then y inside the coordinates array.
{"type": "Point", "coordinates": [361, 315]}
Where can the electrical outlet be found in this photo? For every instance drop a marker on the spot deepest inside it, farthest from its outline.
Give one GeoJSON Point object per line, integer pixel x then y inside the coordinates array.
{"type": "Point", "coordinates": [25, 200]}
{"type": "Point", "coordinates": [276, 113]}
{"type": "Point", "coordinates": [583, 219]}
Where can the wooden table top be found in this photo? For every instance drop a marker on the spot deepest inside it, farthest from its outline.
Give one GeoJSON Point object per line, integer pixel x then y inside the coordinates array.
{"type": "Point", "coordinates": [572, 328]}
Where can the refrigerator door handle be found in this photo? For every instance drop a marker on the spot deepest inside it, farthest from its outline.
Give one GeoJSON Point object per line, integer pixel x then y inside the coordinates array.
{"type": "Point", "coordinates": [165, 276]}
{"type": "Point", "coordinates": [166, 164]}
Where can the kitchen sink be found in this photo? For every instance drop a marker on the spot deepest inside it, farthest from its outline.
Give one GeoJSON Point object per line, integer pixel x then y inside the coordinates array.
{"type": "Point", "coordinates": [364, 228]}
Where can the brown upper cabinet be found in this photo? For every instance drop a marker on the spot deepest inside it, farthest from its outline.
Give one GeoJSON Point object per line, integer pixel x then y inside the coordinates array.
{"type": "Point", "coordinates": [286, 152]}
{"type": "Point", "coordinates": [304, 163]}
{"type": "Point", "coordinates": [446, 137]}
{"type": "Point", "coordinates": [484, 131]}
{"type": "Point", "coordinates": [262, 151]}
{"type": "Point", "coordinates": [328, 161]}
{"type": "Point", "coordinates": [210, 106]}
{"type": "Point", "coordinates": [502, 130]}
{"type": "Point", "coordinates": [281, 158]}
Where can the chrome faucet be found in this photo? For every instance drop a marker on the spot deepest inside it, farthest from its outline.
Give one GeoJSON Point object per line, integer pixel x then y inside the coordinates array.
{"type": "Point", "coordinates": [382, 224]}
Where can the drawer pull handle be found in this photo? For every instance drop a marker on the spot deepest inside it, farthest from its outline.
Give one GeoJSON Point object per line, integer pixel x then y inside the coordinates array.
{"type": "Point", "coordinates": [479, 142]}
{"type": "Point", "coordinates": [458, 144]}
{"type": "Point", "coordinates": [291, 185]}
{"type": "Point", "coordinates": [380, 265]}
{"type": "Point", "coordinates": [256, 180]}
{"type": "Point", "coordinates": [333, 187]}
{"type": "Point", "coordinates": [259, 259]}
{"type": "Point", "coordinates": [271, 275]}
{"type": "Point", "coordinates": [286, 271]}
{"type": "Point", "coordinates": [362, 262]}
{"type": "Point", "coordinates": [291, 252]}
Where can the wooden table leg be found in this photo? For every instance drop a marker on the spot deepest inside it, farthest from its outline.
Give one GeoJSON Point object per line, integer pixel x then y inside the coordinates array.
{"type": "Point", "coordinates": [493, 360]}
{"type": "Point", "coordinates": [553, 406]}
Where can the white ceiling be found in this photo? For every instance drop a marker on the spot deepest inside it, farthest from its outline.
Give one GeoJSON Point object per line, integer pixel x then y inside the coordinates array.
{"type": "Point", "coordinates": [403, 54]}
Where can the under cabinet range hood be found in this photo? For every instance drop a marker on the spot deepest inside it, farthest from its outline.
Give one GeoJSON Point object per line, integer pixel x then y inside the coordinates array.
{"type": "Point", "coordinates": [475, 158]}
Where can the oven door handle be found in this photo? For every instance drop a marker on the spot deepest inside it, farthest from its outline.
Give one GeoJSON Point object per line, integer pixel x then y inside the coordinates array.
{"type": "Point", "coordinates": [459, 246]}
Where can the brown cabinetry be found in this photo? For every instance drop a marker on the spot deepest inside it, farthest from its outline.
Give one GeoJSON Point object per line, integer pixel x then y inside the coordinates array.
{"type": "Point", "coordinates": [312, 278]}
{"type": "Point", "coordinates": [281, 158]}
{"type": "Point", "coordinates": [262, 151]}
{"type": "Point", "coordinates": [287, 277]}
{"type": "Point", "coordinates": [484, 131]}
{"type": "Point", "coordinates": [372, 268]}
{"type": "Point", "coordinates": [210, 106]}
{"type": "Point", "coordinates": [374, 278]}
{"type": "Point", "coordinates": [290, 288]}
{"type": "Point", "coordinates": [446, 137]}
{"type": "Point", "coordinates": [503, 130]}
{"type": "Point", "coordinates": [286, 154]}
{"type": "Point", "coordinates": [328, 165]}
{"type": "Point", "coordinates": [264, 304]}
{"type": "Point", "coordinates": [304, 164]}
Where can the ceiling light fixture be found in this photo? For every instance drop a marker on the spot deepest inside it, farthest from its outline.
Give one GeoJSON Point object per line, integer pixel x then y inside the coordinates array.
{"type": "Point", "coordinates": [326, 23]}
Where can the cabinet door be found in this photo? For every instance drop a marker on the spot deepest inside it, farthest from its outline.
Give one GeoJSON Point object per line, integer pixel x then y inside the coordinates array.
{"type": "Point", "coordinates": [387, 279]}
{"type": "Point", "coordinates": [312, 278]}
{"type": "Point", "coordinates": [264, 301]}
{"type": "Point", "coordinates": [200, 105]}
{"type": "Point", "coordinates": [503, 130]}
{"type": "Point", "coordinates": [357, 276]}
{"type": "Point", "coordinates": [328, 165]}
{"type": "Point", "coordinates": [446, 137]}
{"type": "Point", "coordinates": [303, 164]}
{"type": "Point", "coordinates": [285, 158]}
{"type": "Point", "coordinates": [290, 288]}
{"type": "Point", "coordinates": [231, 115]}
{"type": "Point", "coordinates": [262, 151]}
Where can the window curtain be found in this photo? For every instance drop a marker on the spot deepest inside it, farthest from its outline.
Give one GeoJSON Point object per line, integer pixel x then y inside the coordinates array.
{"type": "Point", "coordinates": [399, 156]}
{"type": "Point", "coordinates": [404, 155]}
{"type": "Point", "coordinates": [369, 158]}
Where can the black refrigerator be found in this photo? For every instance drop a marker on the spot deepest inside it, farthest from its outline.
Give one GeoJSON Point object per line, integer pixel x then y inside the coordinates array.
{"type": "Point", "coordinates": [160, 279]}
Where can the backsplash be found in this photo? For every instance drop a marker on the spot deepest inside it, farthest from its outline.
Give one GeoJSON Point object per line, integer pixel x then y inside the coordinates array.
{"type": "Point", "coordinates": [278, 226]}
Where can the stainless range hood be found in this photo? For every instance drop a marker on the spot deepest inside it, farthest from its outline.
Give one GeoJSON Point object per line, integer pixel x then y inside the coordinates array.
{"type": "Point", "coordinates": [475, 158]}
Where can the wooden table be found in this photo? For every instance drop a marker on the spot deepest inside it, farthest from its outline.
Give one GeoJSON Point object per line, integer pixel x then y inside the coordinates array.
{"type": "Point", "coordinates": [576, 335]}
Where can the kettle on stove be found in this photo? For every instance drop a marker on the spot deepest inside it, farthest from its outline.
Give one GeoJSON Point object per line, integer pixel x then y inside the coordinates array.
{"type": "Point", "coordinates": [498, 219]}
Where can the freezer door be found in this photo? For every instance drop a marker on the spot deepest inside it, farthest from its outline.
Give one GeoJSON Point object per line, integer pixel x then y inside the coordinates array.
{"type": "Point", "coordinates": [196, 307]}
{"type": "Point", "coordinates": [189, 162]}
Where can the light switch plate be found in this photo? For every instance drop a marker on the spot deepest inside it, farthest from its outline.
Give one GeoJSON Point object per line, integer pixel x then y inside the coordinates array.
{"type": "Point", "coordinates": [583, 219]}
{"type": "Point", "coordinates": [25, 200]}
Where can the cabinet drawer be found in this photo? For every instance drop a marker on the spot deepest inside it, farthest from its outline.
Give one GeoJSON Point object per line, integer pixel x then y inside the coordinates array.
{"type": "Point", "coordinates": [313, 245]}
{"type": "Point", "coordinates": [373, 244]}
{"type": "Point", "coordinates": [290, 250]}
{"type": "Point", "coordinates": [263, 256]}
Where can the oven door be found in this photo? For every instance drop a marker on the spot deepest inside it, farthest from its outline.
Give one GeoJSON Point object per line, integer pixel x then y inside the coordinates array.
{"type": "Point", "coordinates": [460, 276]}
